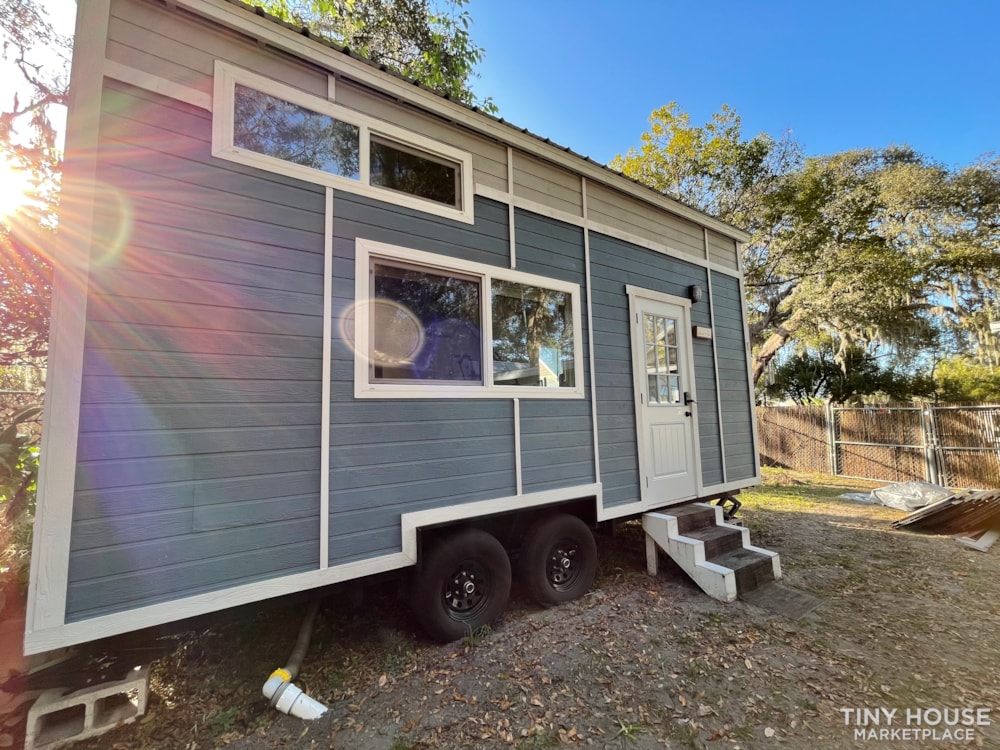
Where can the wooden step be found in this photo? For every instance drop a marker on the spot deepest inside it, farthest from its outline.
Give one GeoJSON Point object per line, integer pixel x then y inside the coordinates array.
{"type": "Point", "coordinates": [718, 540]}
{"type": "Point", "coordinates": [718, 556]}
{"type": "Point", "coordinates": [692, 517]}
{"type": "Point", "coordinates": [753, 569]}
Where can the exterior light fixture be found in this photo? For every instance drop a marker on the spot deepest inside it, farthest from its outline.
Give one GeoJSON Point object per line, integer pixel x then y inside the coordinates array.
{"type": "Point", "coordinates": [694, 294]}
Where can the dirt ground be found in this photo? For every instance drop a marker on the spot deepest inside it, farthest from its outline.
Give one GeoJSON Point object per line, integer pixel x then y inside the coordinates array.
{"type": "Point", "coordinates": [906, 621]}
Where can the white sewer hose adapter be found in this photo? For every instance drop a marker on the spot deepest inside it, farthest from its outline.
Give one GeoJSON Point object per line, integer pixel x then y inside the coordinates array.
{"type": "Point", "coordinates": [290, 699]}
{"type": "Point", "coordinates": [279, 689]}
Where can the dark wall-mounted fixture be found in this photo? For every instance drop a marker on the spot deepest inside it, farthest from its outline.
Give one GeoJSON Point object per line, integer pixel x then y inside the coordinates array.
{"type": "Point", "coordinates": [694, 294]}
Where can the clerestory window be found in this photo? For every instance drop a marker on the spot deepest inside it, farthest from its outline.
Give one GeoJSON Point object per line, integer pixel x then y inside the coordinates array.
{"type": "Point", "coordinates": [266, 124]}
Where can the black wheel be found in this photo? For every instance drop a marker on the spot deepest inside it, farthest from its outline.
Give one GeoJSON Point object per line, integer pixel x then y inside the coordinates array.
{"type": "Point", "coordinates": [464, 584]}
{"type": "Point", "coordinates": [558, 560]}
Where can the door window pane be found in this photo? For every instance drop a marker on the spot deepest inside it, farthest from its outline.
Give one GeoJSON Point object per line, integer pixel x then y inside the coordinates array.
{"type": "Point", "coordinates": [532, 336]}
{"type": "Point", "coordinates": [425, 326]}
{"type": "Point", "coordinates": [277, 128]}
{"type": "Point", "coordinates": [662, 359]}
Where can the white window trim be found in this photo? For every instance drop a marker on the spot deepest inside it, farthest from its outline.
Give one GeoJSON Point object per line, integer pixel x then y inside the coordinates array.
{"type": "Point", "coordinates": [223, 112]}
{"type": "Point", "coordinates": [365, 249]}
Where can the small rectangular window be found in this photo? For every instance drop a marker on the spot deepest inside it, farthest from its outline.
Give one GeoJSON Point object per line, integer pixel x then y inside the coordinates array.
{"type": "Point", "coordinates": [274, 127]}
{"type": "Point", "coordinates": [425, 326]}
{"type": "Point", "coordinates": [532, 336]}
{"type": "Point", "coordinates": [410, 171]}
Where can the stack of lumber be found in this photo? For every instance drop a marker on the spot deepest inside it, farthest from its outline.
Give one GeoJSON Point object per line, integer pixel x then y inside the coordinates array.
{"type": "Point", "coordinates": [962, 513]}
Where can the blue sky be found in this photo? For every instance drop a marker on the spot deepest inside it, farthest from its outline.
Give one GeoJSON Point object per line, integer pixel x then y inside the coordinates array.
{"type": "Point", "coordinates": [839, 75]}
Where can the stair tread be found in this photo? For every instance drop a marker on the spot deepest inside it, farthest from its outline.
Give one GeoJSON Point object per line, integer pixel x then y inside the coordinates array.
{"type": "Point", "coordinates": [690, 517]}
{"type": "Point", "coordinates": [713, 532]}
{"type": "Point", "coordinates": [738, 559]}
{"type": "Point", "coordinates": [687, 510]}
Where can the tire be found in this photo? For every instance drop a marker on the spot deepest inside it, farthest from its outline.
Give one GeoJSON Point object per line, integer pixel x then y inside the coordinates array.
{"type": "Point", "coordinates": [558, 560]}
{"type": "Point", "coordinates": [464, 584]}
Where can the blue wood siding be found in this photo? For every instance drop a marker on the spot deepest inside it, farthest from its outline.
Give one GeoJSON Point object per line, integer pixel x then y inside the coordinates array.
{"type": "Point", "coordinates": [395, 456]}
{"type": "Point", "coordinates": [557, 437]}
{"type": "Point", "coordinates": [199, 437]}
{"type": "Point", "coordinates": [614, 265]}
{"type": "Point", "coordinates": [737, 410]}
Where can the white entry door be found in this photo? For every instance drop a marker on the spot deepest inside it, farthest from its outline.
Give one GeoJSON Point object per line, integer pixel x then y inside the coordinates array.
{"type": "Point", "coordinates": [665, 399]}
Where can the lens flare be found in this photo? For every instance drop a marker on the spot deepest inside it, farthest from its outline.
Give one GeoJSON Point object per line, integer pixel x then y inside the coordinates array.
{"type": "Point", "coordinates": [397, 334]}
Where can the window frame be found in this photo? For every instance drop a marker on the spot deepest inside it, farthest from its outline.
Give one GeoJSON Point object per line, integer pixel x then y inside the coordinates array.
{"type": "Point", "coordinates": [368, 250]}
{"type": "Point", "coordinates": [223, 146]}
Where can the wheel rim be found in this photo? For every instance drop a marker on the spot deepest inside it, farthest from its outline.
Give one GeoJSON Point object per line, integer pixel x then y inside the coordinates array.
{"type": "Point", "coordinates": [467, 591]}
{"type": "Point", "coordinates": [563, 564]}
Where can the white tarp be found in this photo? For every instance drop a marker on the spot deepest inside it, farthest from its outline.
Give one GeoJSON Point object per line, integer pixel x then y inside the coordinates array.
{"type": "Point", "coordinates": [908, 496]}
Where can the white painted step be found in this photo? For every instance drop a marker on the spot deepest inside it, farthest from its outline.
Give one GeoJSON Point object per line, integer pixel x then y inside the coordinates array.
{"type": "Point", "coordinates": [717, 580]}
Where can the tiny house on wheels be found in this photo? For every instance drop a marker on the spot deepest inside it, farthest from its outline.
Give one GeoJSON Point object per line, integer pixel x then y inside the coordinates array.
{"type": "Point", "coordinates": [314, 322]}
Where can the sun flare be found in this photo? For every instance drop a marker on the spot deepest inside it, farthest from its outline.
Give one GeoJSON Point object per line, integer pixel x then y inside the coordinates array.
{"type": "Point", "coordinates": [15, 188]}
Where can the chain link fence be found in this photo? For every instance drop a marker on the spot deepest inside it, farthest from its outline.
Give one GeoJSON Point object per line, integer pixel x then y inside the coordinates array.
{"type": "Point", "coordinates": [951, 445]}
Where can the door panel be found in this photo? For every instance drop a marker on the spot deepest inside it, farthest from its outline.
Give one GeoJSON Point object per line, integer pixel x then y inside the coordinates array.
{"type": "Point", "coordinates": [668, 450]}
{"type": "Point", "coordinates": [666, 418]}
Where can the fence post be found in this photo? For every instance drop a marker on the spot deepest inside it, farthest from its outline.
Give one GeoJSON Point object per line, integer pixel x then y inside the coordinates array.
{"type": "Point", "coordinates": [831, 437]}
{"type": "Point", "coordinates": [930, 438]}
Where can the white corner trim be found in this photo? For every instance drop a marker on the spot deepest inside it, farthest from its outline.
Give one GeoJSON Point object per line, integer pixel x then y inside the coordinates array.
{"type": "Point", "coordinates": [715, 371]}
{"type": "Point", "coordinates": [143, 80]}
{"type": "Point", "coordinates": [411, 522]}
{"type": "Point", "coordinates": [364, 249]}
{"type": "Point", "coordinates": [324, 437]}
{"type": "Point", "coordinates": [56, 480]}
{"type": "Point", "coordinates": [751, 386]}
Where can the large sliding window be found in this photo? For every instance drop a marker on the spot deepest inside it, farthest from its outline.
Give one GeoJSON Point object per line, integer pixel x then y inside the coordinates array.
{"type": "Point", "coordinates": [436, 327]}
{"type": "Point", "coordinates": [266, 124]}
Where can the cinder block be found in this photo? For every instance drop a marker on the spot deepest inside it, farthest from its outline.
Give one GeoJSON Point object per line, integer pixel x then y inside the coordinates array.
{"type": "Point", "coordinates": [56, 719]}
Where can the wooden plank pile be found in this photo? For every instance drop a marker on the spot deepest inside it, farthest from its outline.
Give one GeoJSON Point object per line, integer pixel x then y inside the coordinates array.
{"type": "Point", "coordinates": [963, 513]}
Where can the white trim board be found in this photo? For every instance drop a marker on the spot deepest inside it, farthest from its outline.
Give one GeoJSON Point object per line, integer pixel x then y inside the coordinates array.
{"type": "Point", "coordinates": [326, 379]}
{"type": "Point", "coordinates": [590, 336]}
{"type": "Point", "coordinates": [434, 516]}
{"type": "Point", "coordinates": [637, 508]}
{"type": "Point", "coordinates": [581, 221]}
{"type": "Point", "coordinates": [715, 370]}
{"type": "Point", "coordinates": [58, 636]}
{"type": "Point", "coordinates": [750, 384]}
{"type": "Point", "coordinates": [149, 82]}
{"type": "Point", "coordinates": [53, 520]}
